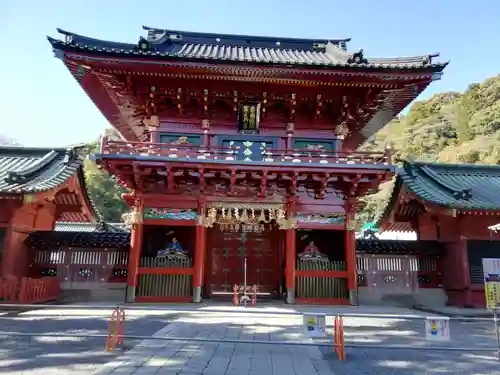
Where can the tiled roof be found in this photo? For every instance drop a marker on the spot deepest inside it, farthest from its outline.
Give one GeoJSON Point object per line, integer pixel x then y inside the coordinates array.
{"type": "Point", "coordinates": [190, 46]}
{"type": "Point", "coordinates": [51, 240]}
{"type": "Point", "coordinates": [398, 247]}
{"type": "Point", "coordinates": [26, 170]}
{"type": "Point", "coordinates": [459, 186]}
{"type": "Point", "coordinates": [31, 170]}
{"type": "Point", "coordinates": [91, 227]}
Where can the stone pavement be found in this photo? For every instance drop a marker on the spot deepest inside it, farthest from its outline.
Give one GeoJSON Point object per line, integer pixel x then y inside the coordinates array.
{"type": "Point", "coordinates": [221, 358]}
{"type": "Point", "coordinates": [190, 358]}
{"type": "Point", "coordinates": [66, 355]}
{"type": "Point", "coordinates": [455, 311]}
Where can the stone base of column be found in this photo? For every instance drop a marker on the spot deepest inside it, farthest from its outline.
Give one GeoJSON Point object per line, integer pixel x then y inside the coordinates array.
{"type": "Point", "coordinates": [290, 296]}
{"type": "Point", "coordinates": [353, 298]}
{"type": "Point", "coordinates": [130, 295]}
{"type": "Point", "coordinates": [196, 294]}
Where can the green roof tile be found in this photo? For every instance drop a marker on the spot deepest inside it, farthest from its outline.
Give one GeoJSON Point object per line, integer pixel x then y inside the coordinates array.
{"type": "Point", "coordinates": [460, 186]}
{"type": "Point", "coordinates": [27, 170]}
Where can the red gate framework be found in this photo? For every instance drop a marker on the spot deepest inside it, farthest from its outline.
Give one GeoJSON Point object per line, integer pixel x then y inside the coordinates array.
{"type": "Point", "coordinates": [253, 133]}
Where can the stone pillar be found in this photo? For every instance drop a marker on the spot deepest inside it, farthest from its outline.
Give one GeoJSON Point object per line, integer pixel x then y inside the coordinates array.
{"type": "Point", "coordinates": [199, 262]}
{"type": "Point", "coordinates": [134, 260]}
{"type": "Point", "coordinates": [291, 256]}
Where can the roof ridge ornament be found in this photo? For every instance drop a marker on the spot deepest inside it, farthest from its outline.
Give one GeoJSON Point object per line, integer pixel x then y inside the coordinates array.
{"type": "Point", "coordinates": [337, 52]}
{"type": "Point", "coordinates": [23, 175]}
{"type": "Point", "coordinates": [143, 44]}
{"type": "Point", "coordinates": [358, 58]}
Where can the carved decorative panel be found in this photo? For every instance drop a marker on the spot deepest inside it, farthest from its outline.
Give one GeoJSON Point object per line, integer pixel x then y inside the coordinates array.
{"type": "Point", "coordinates": [170, 214]}
{"type": "Point", "coordinates": [179, 138]}
{"type": "Point", "coordinates": [320, 219]}
{"type": "Point", "coordinates": [314, 144]}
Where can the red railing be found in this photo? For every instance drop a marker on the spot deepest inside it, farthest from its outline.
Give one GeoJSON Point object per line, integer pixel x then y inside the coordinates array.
{"type": "Point", "coordinates": [27, 291]}
{"type": "Point", "coordinates": [326, 157]}
{"type": "Point", "coordinates": [172, 151]}
{"type": "Point", "coordinates": [217, 153]}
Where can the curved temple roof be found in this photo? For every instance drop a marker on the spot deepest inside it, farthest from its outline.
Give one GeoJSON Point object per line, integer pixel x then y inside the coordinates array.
{"type": "Point", "coordinates": [193, 46]}
{"type": "Point", "coordinates": [459, 186]}
{"type": "Point", "coordinates": [26, 170]}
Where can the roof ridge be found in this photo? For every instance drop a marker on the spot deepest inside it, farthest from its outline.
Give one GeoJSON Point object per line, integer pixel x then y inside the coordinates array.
{"type": "Point", "coordinates": [236, 36]}
{"type": "Point", "coordinates": [23, 175]}
{"type": "Point", "coordinates": [71, 35]}
{"type": "Point", "coordinates": [167, 44]}
{"type": "Point", "coordinates": [457, 166]}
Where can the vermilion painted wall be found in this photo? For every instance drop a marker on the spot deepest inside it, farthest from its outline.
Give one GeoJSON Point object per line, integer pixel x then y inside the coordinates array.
{"type": "Point", "coordinates": [446, 228]}
{"type": "Point", "coordinates": [453, 233]}
{"type": "Point", "coordinates": [23, 220]}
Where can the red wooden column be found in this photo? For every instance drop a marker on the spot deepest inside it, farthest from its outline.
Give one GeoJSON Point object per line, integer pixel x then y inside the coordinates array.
{"type": "Point", "coordinates": [465, 270]}
{"type": "Point", "coordinates": [199, 262]}
{"type": "Point", "coordinates": [135, 253]}
{"type": "Point", "coordinates": [350, 256]}
{"type": "Point", "coordinates": [291, 260]}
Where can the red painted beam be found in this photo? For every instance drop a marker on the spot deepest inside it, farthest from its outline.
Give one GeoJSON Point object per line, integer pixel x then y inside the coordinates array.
{"type": "Point", "coordinates": [145, 64]}
{"type": "Point", "coordinates": [271, 167]}
{"type": "Point", "coordinates": [170, 223]}
{"type": "Point", "coordinates": [320, 226]}
{"type": "Point", "coordinates": [164, 271]}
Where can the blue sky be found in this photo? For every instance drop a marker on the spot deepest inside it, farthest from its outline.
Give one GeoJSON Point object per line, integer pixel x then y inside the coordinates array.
{"type": "Point", "coordinates": [42, 105]}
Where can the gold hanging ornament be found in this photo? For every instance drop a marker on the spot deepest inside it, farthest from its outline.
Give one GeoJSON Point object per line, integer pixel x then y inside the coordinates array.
{"type": "Point", "coordinates": [244, 216]}
{"type": "Point", "coordinates": [262, 217]}
{"type": "Point", "coordinates": [241, 217]}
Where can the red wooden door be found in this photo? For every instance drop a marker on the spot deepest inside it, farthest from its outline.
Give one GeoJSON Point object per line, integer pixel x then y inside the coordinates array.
{"type": "Point", "coordinates": [228, 253]}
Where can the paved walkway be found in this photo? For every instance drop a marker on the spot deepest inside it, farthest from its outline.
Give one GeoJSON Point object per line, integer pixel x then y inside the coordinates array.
{"type": "Point", "coordinates": [455, 311]}
{"type": "Point", "coordinates": [370, 326]}
{"type": "Point", "coordinates": [189, 358]}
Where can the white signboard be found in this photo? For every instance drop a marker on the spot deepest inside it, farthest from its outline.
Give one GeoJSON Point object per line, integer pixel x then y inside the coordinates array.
{"type": "Point", "coordinates": [491, 274]}
{"type": "Point", "coordinates": [437, 328]}
{"type": "Point", "coordinates": [314, 324]}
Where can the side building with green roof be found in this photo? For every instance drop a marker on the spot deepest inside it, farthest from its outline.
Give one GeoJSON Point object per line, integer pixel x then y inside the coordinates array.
{"type": "Point", "coordinates": [454, 204]}
{"type": "Point", "coordinates": [39, 186]}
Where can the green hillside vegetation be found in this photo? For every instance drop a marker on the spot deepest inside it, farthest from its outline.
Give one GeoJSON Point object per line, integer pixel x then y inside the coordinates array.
{"type": "Point", "coordinates": [449, 127]}
{"type": "Point", "coordinates": [105, 191]}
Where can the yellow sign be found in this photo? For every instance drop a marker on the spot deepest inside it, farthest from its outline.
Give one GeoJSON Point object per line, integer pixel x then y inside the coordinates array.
{"type": "Point", "coordinates": [491, 272]}
{"type": "Point", "coordinates": [492, 291]}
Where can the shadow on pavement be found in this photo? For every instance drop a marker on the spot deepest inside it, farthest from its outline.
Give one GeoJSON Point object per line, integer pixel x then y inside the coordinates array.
{"type": "Point", "coordinates": [63, 355]}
